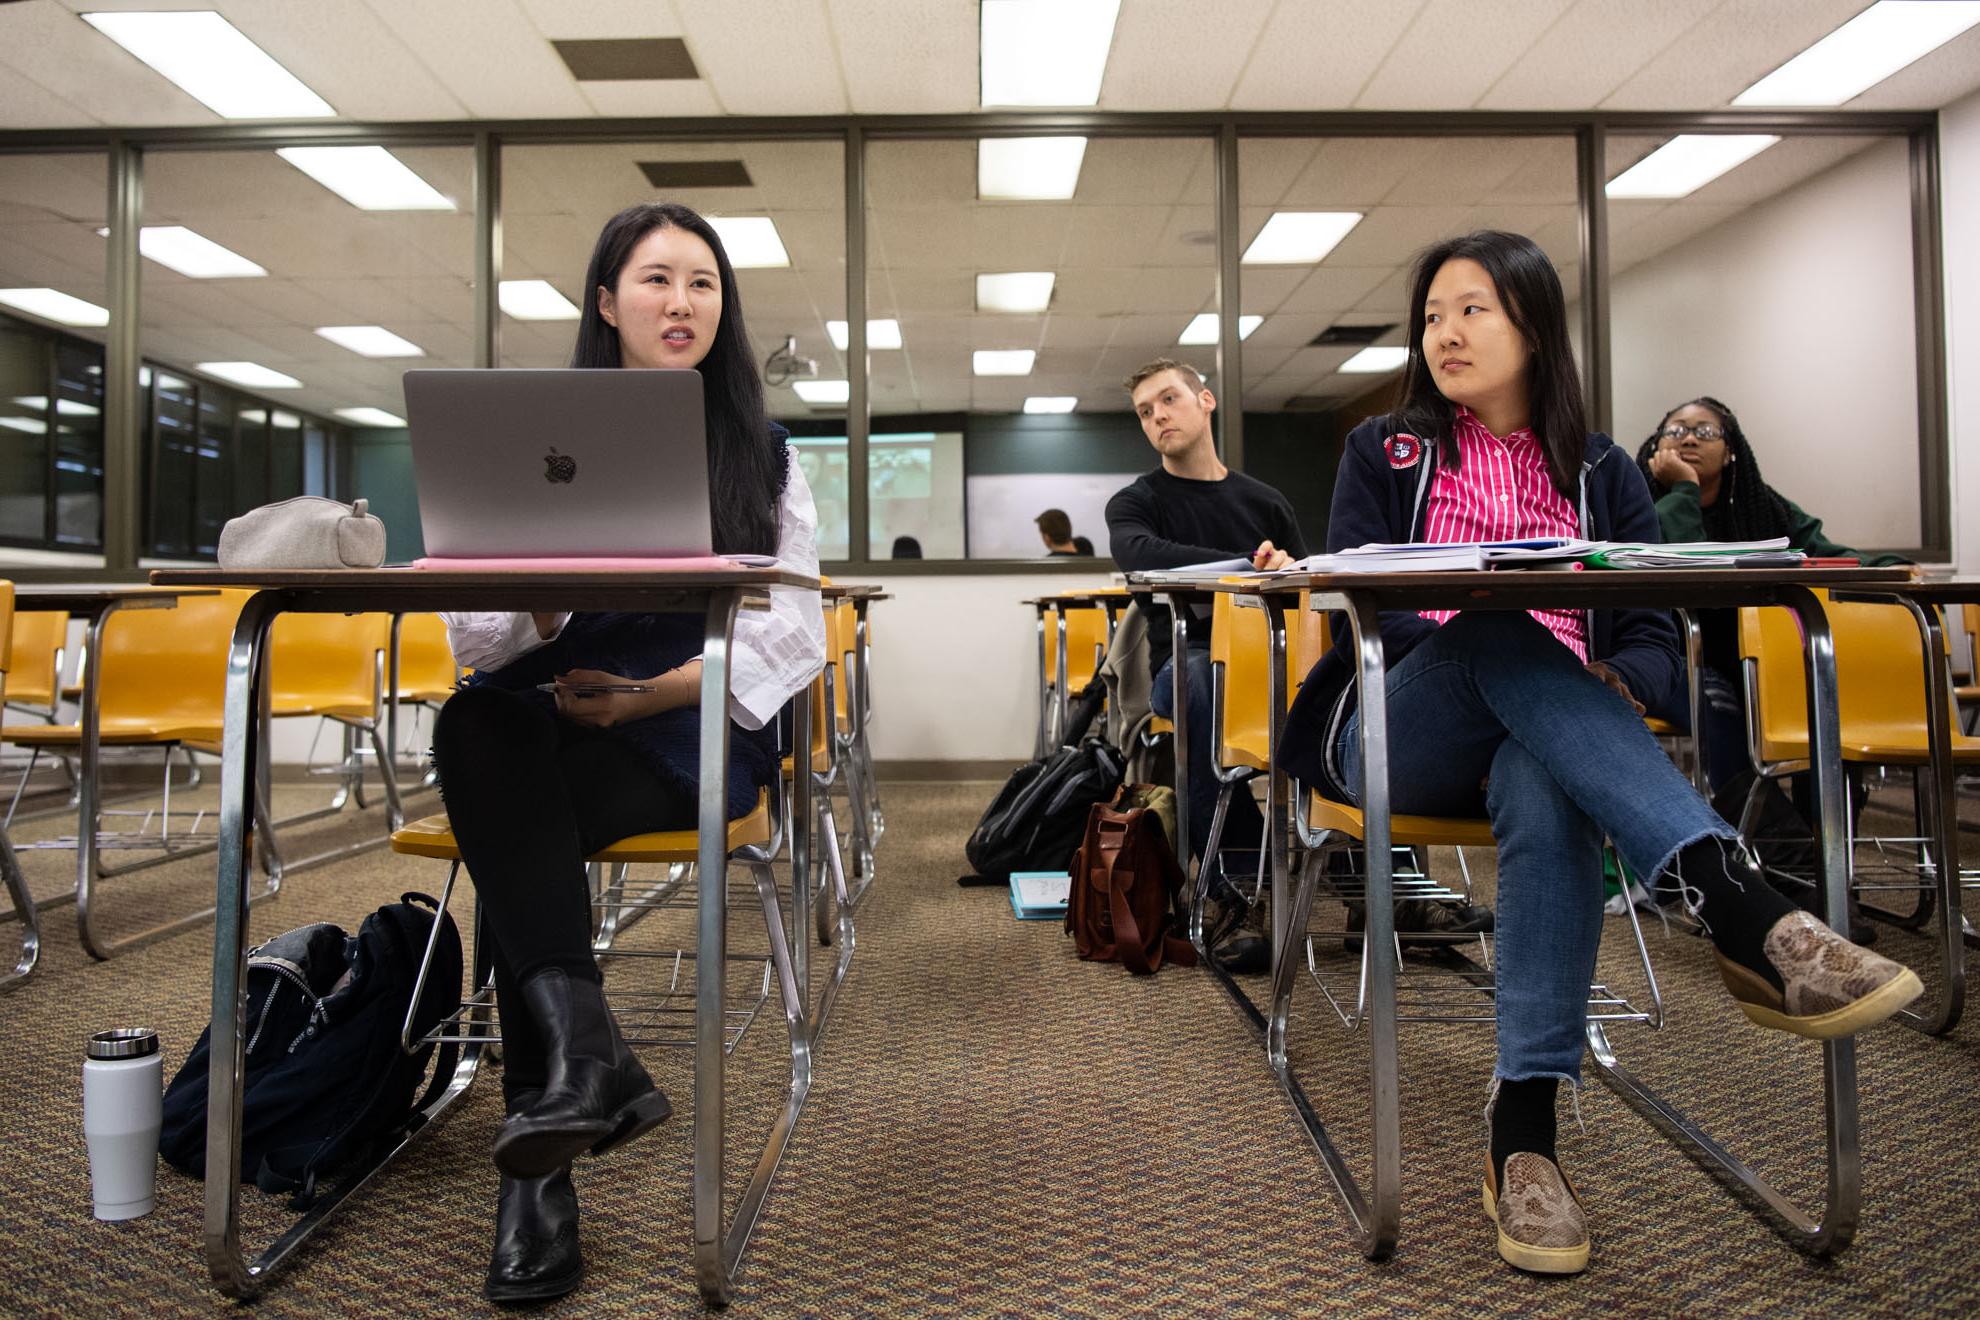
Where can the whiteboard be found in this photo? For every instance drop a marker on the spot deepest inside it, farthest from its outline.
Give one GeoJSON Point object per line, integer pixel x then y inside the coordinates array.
{"type": "Point", "coordinates": [1003, 510]}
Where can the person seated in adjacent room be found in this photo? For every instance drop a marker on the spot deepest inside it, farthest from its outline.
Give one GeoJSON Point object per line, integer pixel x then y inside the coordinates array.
{"type": "Point", "coordinates": [1534, 719]}
{"type": "Point", "coordinates": [1706, 481]}
{"type": "Point", "coordinates": [536, 781]}
{"type": "Point", "coordinates": [1707, 485]}
{"type": "Point", "coordinates": [1055, 530]}
{"type": "Point", "coordinates": [907, 547]}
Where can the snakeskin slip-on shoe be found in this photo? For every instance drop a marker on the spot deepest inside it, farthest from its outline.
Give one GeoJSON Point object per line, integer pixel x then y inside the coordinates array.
{"type": "Point", "coordinates": [1541, 1224]}
{"type": "Point", "coordinates": [1830, 988]}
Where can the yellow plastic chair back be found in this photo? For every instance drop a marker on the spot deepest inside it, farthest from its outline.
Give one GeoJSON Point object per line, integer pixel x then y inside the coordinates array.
{"type": "Point", "coordinates": [326, 664]}
{"type": "Point", "coordinates": [427, 671]}
{"type": "Point", "coordinates": [164, 672]}
{"type": "Point", "coordinates": [7, 617]}
{"type": "Point", "coordinates": [1880, 681]}
{"type": "Point", "coordinates": [1086, 645]}
{"type": "Point", "coordinates": [35, 636]}
{"type": "Point", "coordinates": [1238, 645]}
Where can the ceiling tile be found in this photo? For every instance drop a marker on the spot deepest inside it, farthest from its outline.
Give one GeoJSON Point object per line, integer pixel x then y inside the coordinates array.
{"type": "Point", "coordinates": [893, 65]}
{"type": "Point", "coordinates": [767, 57]}
{"type": "Point", "coordinates": [1940, 78]}
{"type": "Point", "coordinates": [488, 56]}
{"type": "Point", "coordinates": [1455, 51]}
{"type": "Point", "coordinates": [1319, 54]}
{"type": "Point", "coordinates": [1166, 57]}
{"type": "Point", "coordinates": [1595, 47]}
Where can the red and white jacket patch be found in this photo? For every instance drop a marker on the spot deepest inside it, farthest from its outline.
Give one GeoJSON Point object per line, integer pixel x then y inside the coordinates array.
{"type": "Point", "coordinates": [1405, 450]}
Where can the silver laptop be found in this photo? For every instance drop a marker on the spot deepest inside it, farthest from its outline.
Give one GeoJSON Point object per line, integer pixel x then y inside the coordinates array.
{"type": "Point", "coordinates": [540, 464]}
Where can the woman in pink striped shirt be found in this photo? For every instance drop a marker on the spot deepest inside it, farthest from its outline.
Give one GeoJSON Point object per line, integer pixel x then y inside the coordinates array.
{"type": "Point", "coordinates": [1534, 720]}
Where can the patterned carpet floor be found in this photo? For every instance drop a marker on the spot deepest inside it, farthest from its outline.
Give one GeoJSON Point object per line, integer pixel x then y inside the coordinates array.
{"type": "Point", "coordinates": [997, 1129]}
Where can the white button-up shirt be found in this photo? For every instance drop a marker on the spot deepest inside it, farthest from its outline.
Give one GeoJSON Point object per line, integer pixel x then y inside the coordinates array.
{"type": "Point", "coordinates": [776, 654]}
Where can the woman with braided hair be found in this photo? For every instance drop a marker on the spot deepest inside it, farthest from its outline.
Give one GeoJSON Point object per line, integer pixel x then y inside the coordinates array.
{"type": "Point", "coordinates": [1707, 486]}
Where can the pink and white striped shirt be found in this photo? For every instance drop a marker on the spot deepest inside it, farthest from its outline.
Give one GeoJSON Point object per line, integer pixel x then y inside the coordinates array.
{"type": "Point", "coordinates": [1501, 491]}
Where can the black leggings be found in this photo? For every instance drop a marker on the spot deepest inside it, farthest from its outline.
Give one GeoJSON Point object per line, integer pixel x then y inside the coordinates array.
{"type": "Point", "coordinates": [530, 795]}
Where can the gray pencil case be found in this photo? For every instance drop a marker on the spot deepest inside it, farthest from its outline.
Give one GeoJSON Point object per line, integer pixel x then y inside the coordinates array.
{"type": "Point", "coordinates": [305, 532]}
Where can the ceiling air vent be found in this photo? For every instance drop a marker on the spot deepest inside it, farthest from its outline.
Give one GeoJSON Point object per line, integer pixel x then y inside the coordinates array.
{"type": "Point", "coordinates": [1357, 335]}
{"type": "Point", "coordinates": [670, 174]}
{"type": "Point", "coordinates": [628, 59]}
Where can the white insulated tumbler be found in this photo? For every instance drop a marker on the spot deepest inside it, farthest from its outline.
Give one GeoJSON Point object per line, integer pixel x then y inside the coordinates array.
{"type": "Point", "coordinates": [123, 1109]}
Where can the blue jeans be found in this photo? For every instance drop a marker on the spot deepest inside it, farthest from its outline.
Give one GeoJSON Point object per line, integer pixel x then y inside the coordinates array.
{"type": "Point", "coordinates": [1492, 697]}
{"type": "Point", "coordinates": [1243, 825]}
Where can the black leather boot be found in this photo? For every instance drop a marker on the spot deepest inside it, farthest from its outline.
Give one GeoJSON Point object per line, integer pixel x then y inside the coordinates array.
{"type": "Point", "coordinates": [536, 1240]}
{"type": "Point", "coordinates": [595, 1096]}
{"type": "Point", "coordinates": [536, 1234]}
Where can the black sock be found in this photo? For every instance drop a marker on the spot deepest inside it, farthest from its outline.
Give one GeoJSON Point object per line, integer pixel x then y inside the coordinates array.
{"type": "Point", "coordinates": [1739, 907]}
{"type": "Point", "coordinates": [1522, 1120]}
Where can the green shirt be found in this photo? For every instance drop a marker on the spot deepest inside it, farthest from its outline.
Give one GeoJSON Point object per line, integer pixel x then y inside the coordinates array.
{"type": "Point", "coordinates": [1682, 518]}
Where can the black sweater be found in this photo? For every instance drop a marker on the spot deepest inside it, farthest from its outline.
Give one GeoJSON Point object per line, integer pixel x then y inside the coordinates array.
{"type": "Point", "coordinates": [1166, 521]}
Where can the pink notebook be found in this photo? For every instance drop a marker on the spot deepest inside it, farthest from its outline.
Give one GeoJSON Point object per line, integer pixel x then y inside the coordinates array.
{"type": "Point", "coordinates": [594, 564]}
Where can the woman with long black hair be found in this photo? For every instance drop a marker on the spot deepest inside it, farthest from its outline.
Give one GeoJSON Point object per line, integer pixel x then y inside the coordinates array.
{"type": "Point", "coordinates": [534, 781]}
{"type": "Point", "coordinates": [1534, 719]}
{"type": "Point", "coordinates": [1706, 481]}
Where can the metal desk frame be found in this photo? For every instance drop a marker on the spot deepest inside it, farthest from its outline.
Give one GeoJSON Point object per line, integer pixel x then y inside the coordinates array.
{"type": "Point", "coordinates": [1375, 1219]}
{"type": "Point", "coordinates": [718, 1247]}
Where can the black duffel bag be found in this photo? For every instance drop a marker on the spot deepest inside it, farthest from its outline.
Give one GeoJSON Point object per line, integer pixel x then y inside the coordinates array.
{"type": "Point", "coordinates": [1037, 819]}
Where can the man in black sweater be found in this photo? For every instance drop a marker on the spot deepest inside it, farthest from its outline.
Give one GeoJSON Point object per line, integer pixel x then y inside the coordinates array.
{"type": "Point", "coordinates": [1190, 510]}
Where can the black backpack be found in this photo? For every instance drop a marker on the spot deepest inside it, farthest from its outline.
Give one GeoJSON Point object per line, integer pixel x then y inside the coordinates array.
{"type": "Point", "coordinates": [326, 1077]}
{"type": "Point", "coordinates": [1037, 819]}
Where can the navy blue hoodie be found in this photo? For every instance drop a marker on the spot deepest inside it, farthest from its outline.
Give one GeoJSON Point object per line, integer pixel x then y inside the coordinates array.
{"type": "Point", "coordinates": [1375, 501]}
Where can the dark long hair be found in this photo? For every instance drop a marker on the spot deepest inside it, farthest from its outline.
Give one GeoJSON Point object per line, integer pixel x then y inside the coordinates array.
{"type": "Point", "coordinates": [1748, 509]}
{"type": "Point", "coordinates": [747, 467]}
{"type": "Point", "coordinates": [1531, 290]}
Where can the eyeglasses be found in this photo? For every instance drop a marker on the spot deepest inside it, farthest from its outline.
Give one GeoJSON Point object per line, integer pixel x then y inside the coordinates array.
{"type": "Point", "coordinates": [1704, 431]}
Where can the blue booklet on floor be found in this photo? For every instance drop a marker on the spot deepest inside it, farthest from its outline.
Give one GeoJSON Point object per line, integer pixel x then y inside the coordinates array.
{"type": "Point", "coordinates": [1040, 895]}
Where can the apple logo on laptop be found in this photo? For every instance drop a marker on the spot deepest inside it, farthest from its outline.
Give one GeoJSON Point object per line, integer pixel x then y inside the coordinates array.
{"type": "Point", "coordinates": [558, 468]}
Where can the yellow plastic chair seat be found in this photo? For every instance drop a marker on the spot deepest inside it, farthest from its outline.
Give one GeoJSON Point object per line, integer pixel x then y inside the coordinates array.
{"type": "Point", "coordinates": [1878, 744]}
{"type": "Point", "coordinates": [113, 730]}
{"type": "Point", "coordinates": [1663, 728]}
{"type": "Point", "coordinates": [434, 837]}
{"type": "Point", "coordinates": [306, 703]}
{"type": "Point", "coordinates": [1404, 831]}
{"type": "Point", "coordinates": [1157, 726]}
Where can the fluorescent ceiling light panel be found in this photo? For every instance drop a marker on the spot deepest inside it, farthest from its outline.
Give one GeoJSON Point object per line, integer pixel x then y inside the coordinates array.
{"type": "Point", "coordinates": [1051, 403]}
{"type": "Point", "coordinates": [1202, 328]}
{"type": "Point", "coordinates": [535, 300]}
{"type": "Point", "coordinates": [32, 425]}
{"type": "Point", "coordinates": [212, 62]}
{"type": "Point", "coordinates": [54, 305]}
{"type": "Point", "coordinates": [1044, 52]}
{"type": "Point", "coordinates": [195, 256]}
{"type": "Point", "coordinates": [251, 374]}
{"type": "Point", "coordinates": [1031, 169]}
{"type": "Point", "coordinates": [823, 391]}
{"type": "Point", "coordinates": [1687, 163]}
{"type": "Point", "coordinates": [1373, 359]}
{"type": "Point", "coordinates": [751, 241]}
{"type": "Point", "coordinates": [1015, 291]}
{"type": "Point", "coordinates": [369, 178]}
{"type": "Point", "coordinates": [370, 417]}
{"type": "Point", "coordinates": [1863, 52]}
{"type": "Point", "coordinates": [372, 341]}
{"type": "Point", "coordinates": [879, 334]}
{"type": "Point", "coordinates": [65, 407]}
{"type": "Point", "coordinates": [1004, 361]}
{"type": "Point", "coordinates": [1299, 238]}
